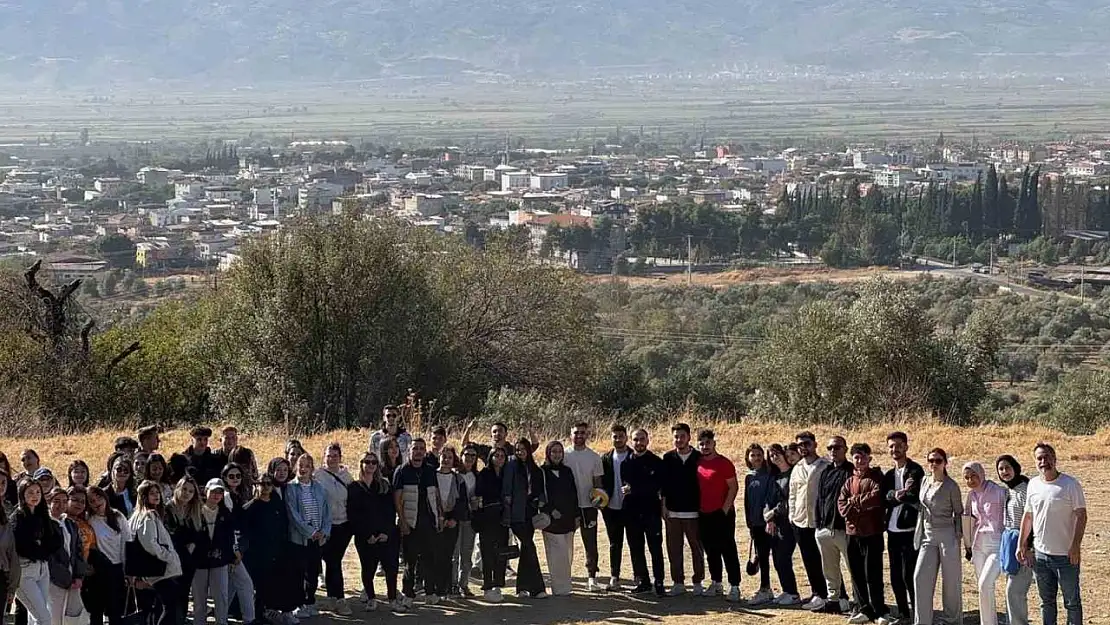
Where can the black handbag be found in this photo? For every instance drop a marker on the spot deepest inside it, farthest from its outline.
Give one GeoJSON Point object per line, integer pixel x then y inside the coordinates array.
{"type": "Point", "coordinates": [753, 564]}
{"type": "Point", "coordinates": [138, 562]}
{"type": "Point", "coordinates": [131, 613]}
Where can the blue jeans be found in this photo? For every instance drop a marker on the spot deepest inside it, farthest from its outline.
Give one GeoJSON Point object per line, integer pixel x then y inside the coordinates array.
{"type": "Point", "coordinates": [1057, 572]}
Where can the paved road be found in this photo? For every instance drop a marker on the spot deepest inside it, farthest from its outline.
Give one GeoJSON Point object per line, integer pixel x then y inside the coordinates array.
{"type": "Point", "coordinates": [957, 273]}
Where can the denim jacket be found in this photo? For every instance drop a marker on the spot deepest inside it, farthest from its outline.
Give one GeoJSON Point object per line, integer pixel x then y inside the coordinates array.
{"type": "Point", "coordinates": [299, 529]}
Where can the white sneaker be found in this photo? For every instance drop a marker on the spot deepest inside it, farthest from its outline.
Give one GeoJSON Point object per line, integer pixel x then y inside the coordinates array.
{"type": "Point", "coordinates": [699, 590]}
{"type": "Point", "coordinates": [592, 585]}
{"type": "Point", "coordinates": [540, 595]}
{"type": "Point", "coordinates": [734, 594]}
{"type": "Point", "coordinates": [398, 605]}
{"type": "Point", "coordinates": [677, 590]}
{"type": "Point", "coordinates": [431, 599]}
{"type": "Point", "coordinates": [859, 618]}
{"type": "Point", "coordinates": [846, 608]}
{"type": "Point", "coordinates": [814, 604]}
{"type": "Point", "coordinates": [290, 619]}
{"type": "Point", "coordinates": [786, 599]}
{"type": "Point", "coordinates": [493, 595]}
{"type": "Point", "coordinates": [715, 590]}
{"type": "Point", "coordinates": [614, 584]}
{"type": "Point", "coordinates": [303, 612]}
{"type": "Point", "coordinates": [888, 619]}
{"type": "Point", "coordinates": [764, 595]}
{"type": "Point", "coordinates": [341, 608]}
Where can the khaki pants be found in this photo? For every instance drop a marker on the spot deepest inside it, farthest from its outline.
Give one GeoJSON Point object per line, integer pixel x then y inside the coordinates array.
{"type": "Point", "coordinates": [834, 550]}
{"type": "Point", "coordinates": [677, 530]}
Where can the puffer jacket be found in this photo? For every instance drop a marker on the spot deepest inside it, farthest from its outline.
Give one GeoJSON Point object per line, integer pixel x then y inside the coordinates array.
{"type": "Point", "coordinates": [861, 503]}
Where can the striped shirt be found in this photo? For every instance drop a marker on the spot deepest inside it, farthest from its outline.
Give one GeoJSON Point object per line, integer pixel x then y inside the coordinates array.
{"type": "Point", "coordinates": [311, 507]}
{"type": "Point", "coordinates": [1015, 506]}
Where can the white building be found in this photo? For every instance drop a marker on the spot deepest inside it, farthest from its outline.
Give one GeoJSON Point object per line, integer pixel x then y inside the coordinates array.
{"type": "Point", "coordinates": [188, 189]}
{"type": "Point", "coordinates": [953, 172]}
{"type": "Point", "coordinates": [153, 176]}
{"type": "Point", "coordinates": [894, 177]}
{"type": "Point", "coordinates": [315, 195]}
{"type": "Point", "coordinates": [230, 194]}
{"type": "Point", "coordinates": [548, 181]}
{"type": "Point", "coordinates": [1087, 169]}
{"type": "Point", "coordinates": [514, 180]}
{"type": "Point", "coordinates": [108, 186]}
{"type": "Point", "coordinates": [425, 204]}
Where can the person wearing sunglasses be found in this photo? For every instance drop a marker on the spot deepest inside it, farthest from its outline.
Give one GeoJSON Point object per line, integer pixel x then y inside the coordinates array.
{"type": "Point", "coordinates": [266, 519]}
{"type": "Point", "coordinates": [831, 534]}
{"type": "Point", "coordinates": [240, 583]}
{"type": "Point", "coordinates": [372, 514]}
{"type": "Point", "coordinates": [937, 538]}
{"type": "Point", "coordinates": [805, 480]}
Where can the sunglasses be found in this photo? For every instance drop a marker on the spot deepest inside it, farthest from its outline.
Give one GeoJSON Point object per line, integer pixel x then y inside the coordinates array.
{"type": "Point", "coordinates": [936, 460]}
{"type": "Point", "coordinates": [372, 463]}
{"type": "Point", "coordinates": [123, 470]}
{"type": "Point", "coordinates": [234, 476]}
{"type": "Point", "coordinates": [834, 447]}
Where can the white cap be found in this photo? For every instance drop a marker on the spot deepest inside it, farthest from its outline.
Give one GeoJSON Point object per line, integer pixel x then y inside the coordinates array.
{"type": "Point", "coordinates": [213, 484]}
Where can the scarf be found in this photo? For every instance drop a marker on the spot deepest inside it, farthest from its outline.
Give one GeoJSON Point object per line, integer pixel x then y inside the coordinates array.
{"type": "Point", "coordinates": [1018, 477]}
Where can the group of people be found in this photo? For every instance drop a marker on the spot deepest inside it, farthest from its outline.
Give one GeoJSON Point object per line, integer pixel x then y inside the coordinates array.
{"type": "Point", "coordinates": [152, 533]}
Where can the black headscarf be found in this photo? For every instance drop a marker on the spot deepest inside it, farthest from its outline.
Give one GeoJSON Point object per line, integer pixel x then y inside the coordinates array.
{"type": "Point", "coordinates": [1018, 477]}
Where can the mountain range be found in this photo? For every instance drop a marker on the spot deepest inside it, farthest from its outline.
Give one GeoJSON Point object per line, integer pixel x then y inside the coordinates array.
{"type": "Point", "coordinates": [79, 42]}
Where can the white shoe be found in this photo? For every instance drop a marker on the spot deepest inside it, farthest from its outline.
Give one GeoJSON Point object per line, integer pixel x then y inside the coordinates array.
{"type": "Point", "coordinates": [764, 595]}
{"type": "Point", "coordinates": [399, 605]}
{"type": "Point", "coordinates": [734, 594]}
{"type": "Point", "coordinates": [303, 612]}
{"type": "Point", "coordinates": [846, 608]}
{"type": "Point", "coordinates": [888, 619]}
{"type": "Point", "coordinates": [592, 585]}
{"type": "Point", "coordinates": [859, 618]}
{"type": "Point", "coordinates": [493, 595]}
{"type": "Point", "coordinates": [431, 599]}
{"type": "Point", "coordinates": [786, 599]}
{"type": "Point", "coordinates": [341, 608]}
{"type": "Point", "coordinates": [715, 590]}
{"type": "Point", "coordinates": [814, 604]}
{"type": "Point", "coordinates": [677, 590]}
{"type": "Point", "coordinates": [699, 590]}
{"type": "Point", "coordinates": [540, 595]}
{"type": "Point", "coordinates": [614, 584]}
{"type": "Point", "coordinates": [522, 594]}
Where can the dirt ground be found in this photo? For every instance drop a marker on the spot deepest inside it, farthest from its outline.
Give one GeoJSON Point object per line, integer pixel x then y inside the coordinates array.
{"type": "Point", "coordinates": [1080, 456]}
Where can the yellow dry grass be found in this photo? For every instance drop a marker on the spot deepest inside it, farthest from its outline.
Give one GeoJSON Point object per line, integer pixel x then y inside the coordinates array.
{"type": "Point", "coordinates": [1083, 456]}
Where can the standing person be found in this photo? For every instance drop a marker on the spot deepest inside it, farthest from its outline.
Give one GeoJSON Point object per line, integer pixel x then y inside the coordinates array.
{"type": "Point", "coordinates": [612, 483]}
{"type": "Point", "coordinates": [937, 538]}
{"type": "Point", "coordinates": [282, 472]}
{"type": "Point", "coordinates": [643, 476]}
{"type": "Point", "coordinates": [154, 538]}
{"type": "Point", "coordinates": [718, 488]}
{"type": "Point", "coordinates": [158, 471]}
{"type": "Point", "coordinates": [335, 478]}
{"type": "Point", "coordinates": [214, 551]}
{"type": "Point", "coordinates": [832, 538]}
{"type": "Point", "coordinates": [861, 505]}
{"type": "Point", "coordinates": [758, 484]}
{"type": "Point", "coordinates": [805, 484]}
{"type": "Point", "coordinates": [105, 591]}
{"type": "Point", "coordinates": [37, 537]}
{"type": "Point", "coordinates": [777, 516]}
{"type": "Point", "coordinates": [1019, 575]}
{"type": "Point", "coordinates": [30, 462]}
{"type": "Point", "coordinates": [240, 583]}
{"type": "Point", "coordinates": [439, 441]}
{"type": "Point", "coordinates": [266, 524]}
{"type": "Point", "coordinates": [121, 489]}
{"type": "Point", "coordinates": [901, 493]}
{"type": "Point", "coordinates": [415, 495]}
{"type": "Point", "coordinates": [78, 474]}
{"type": "Point", "coordinates": [585, 464]}
{"type": "Point", "coordinates": [681, 501]}
{"type": "Point", "coordinates": [184, 522]}
{"type": "Point", "coordinates": [9, 559]}
{"type": "Point", "coordinates": [562, 496]}
{"type": "Point", "coordinates": [498, 439]}
{"type": "Point", "coordinates": [522, 496]}
{"type": "Point", "coordinates": [493, 535]}
{"type": "Point", "coordinates": [984, 515]}
{"type": "Point", "coordinates": [1056, 517]}
{"type": "Point", "coordinates": [67, 566]}
{"type": "Point", "coordinates": [463, 558]}
{"type": "Point", "coordinates": [372, 514]}
{"type": "Point", "coordinates": [150, 438]}
{"type": "Point", "coordinates": [200, 461]}
{"type": "Point", "coordinates": [293, 452]}
{"type": "Point", "coordinates": [309, 528]}
{"type": "Point", "coordinates": [229, 446]}
{"type": "Point", "coordinates": [389, 453]}
{"type": "Point", "coordinates": [392, 428]}
{"type": "Point", "coordinates": [454, 508]}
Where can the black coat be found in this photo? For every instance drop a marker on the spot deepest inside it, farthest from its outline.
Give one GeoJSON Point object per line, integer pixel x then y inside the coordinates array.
{"type": "Point", "coordinates": [680, 481]}
{"type": "Point", "coordinates": [488, 487]}
{"type": "Point", "coordinates": [561, 496]}
{"type": "Point", "coordinates": [265, 526]}
{"type": "Point", "coordinates": [67, 565]}
{"type": "Point", "coordinates": [370, 512]}
{"type": "Point", "coordinates": [203, 467]}
{"type": "Point", "coordinates": [912, 479]}
{"type": "Point", "coordinates": [828, 493]}
{"type": "Point", "coordinates": [217, 549]}
{"type": "Point", "coordinates": [36, 536]}
{"type": "Point", "coordinates": [608, 477]}
{"type": "Point", "coordinates": [644, 477]}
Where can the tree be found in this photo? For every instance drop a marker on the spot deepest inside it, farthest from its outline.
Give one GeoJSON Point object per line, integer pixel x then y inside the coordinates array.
{"type": "Point", "coordinates": [89, 288]}
{"type": "Point", "coordinates": [118, 250]}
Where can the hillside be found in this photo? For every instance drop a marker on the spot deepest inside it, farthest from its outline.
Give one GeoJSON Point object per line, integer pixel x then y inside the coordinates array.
{"type": "Point", "coordinates": [71, 42]}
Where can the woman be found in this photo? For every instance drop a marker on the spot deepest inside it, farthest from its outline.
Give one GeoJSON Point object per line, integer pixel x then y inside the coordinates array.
{"type": "Point", "coordinates": [937, 538]}
{"type": "Point", "coordinates": [1017, 583]}
{"type": "Point", "coordinates": [7, 488]}
{"type": "Point", "coordinates": [777, 517]}
{"type": "Point", "coordinates": [522, 489]}
{"type": "Point", "coordinates": [78, 474]}
{"type": "Point", "coordinates": [37, 538]}
{"type": "Point", "coordinates": [244, 457]}
{"type": "Point", "coordinates": [984, 513]}
{"type": "Point", "coordinates": [758, 484]}
{"type": "Point", "coordinates": [372, 514]}
{"type": "Point", "coordinates": [183, 520]}
{"type": "Point", "coordinates": [463, 558]}
{"type": "Point", "coordinates": [154, 538]}
{"type": "Point", "coordinates": [9, 559]}
{"type": "Point", "coordinates": [561, 493]}
{"type": "Point", "coordinates": [792, 454]}
{"type": "Point", "coordinates": [267, 525]}
{"type": "Point", "coordinates": [392, 429]}
{"type": "Point", "coordinates": [68, 568]}
{"type": "Point", "coordinates": [105, 591]}
{"type": "Point", "coordinates": [282, 471]}
{"type": "Point", "coordinates": [241, 585]}
{"type": "Point", "coordinates": [293, 451]}
{"type": "Point", "coordinates": [138, 468]}
{"type": "Point", "coordinates": [309, 528]}
{"type": "Point", "coordinates": [213, 554]}
{"type": "Point", "coordinates": [78, 512]}
{"type": "Point", "coordinates": [158, 471]}
{"type": "Point", "coordinates": [30, 461]}
{"type": "Point", "coordinates": [335, 478]}
{"type": "Point", "coordinates": [493, 536]}
{"type": "Point", "coordinates": [454, 507]}
{"type": "Point", "coordinates": [390, 454]}
{"type": "Point", "coordinates": [121, 491]}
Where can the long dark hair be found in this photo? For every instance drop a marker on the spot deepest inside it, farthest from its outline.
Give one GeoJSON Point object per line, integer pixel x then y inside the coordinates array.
{"type": "Point", "coordinates": [39, 510]}
{"type": "Point", "coordinates": [943, 454]}
{"type": "Point", "coordinates": [156, 458]}
{"type": "Point", "coordinates": [386, 465]}
{"type": "Point", "coordinates": [272, 470]}
{"type": "Point", "coordinates": [88, 474]}
{"type": "Point", "coordinates": [526, 445]}
{"type": "Point", "coordinates": [111, 515]}
{"type": "Point", "coordinates": [245, 491]}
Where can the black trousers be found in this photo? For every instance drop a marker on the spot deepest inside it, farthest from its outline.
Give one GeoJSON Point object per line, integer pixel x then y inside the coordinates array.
{"type": "Point", "coordinates": [4, 586]}
{"type": "Point", "coordinates": [589, 539]}
{"type": "Point", "coordinates": [158, 605]}
{"type": "Point", "coordinates": [104, 593]}
{"type": "Point", "coordinates": [416, 548]}
{"type": "Point", "coordinates": [718, 538]}
{"type": "Point", "coordinates": [437, 573]}
{"type": "Point", "coordinates": [306, 563]}
{"type": "Point", "coordinates": [782, 552]}
{"type": "Point", "coordinates": [370, 556]}
{"type": "Point", "coordinates": [647, 528]}
{"type": "Point", "coordinates": [903, 561]}
{"type": "Point", "coordinates": [865, 563]}
{"type": "Point", "coordinates": [761, 541]}
{"type": "Point", "coordinates": [615, 529]}
{"type": "Point", "coordinates": [332, 552]}
{"type": "Point", "coordinates": [529, 577]}
{"type": "Point", "coordinates": [811, 560]}
{"type": "Point", "coordinates": [493, 538]}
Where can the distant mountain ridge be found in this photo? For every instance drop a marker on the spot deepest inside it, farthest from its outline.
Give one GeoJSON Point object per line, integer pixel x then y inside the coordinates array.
{"type": "Point", "coordinates": [251, 41]}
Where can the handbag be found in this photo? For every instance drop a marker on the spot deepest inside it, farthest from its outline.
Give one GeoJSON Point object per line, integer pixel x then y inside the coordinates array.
{"type": "Point", "coordinates": [131, 613]}
{"type": "Point", "coordinates": [753, 564]}
{"type": "Point", "coordinates": [138, 562]}
{"type": "Point", "coordinates": [540, 520]}
{"type": "Point", "coordinates": [74, 610]}
{"type": "Point", "coordinates": [1007, 552]}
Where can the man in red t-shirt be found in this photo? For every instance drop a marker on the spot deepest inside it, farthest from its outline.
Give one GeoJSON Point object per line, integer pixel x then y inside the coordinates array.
{"type": "Point", "coordinates": [717, 516]}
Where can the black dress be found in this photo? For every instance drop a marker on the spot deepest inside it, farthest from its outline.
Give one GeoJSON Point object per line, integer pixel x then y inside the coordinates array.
{"type": "Point", "coordinates": [266, 525]}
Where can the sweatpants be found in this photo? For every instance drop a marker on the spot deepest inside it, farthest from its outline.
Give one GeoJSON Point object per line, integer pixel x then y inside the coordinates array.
{"type": "Point", "coordinates": [211, 583]}
{"type": "Point", "coordinates": [984, 557]}
{"type": "Point", "coordinates": [718, 537]}
{"type": "Point", "coordinates": [865, 562]}
{"type": "Point", "coordinates": [559, 549]}
{"type": "Point", "coordinates": [903, 559]}
{"type": "Point", "coordinates": [332, 553]}
{"type": "Point", "coordinates": [242, 586]}
{"type": "Point", "coordinates": [589, 539]}
{"type": "Point", "coordinates": [646, 529]}
{"type": "Point", "coordinates": [811, 560]}
{"type": "Point", "coordinates": [615, 529]}
{"type": "Point", "coordinates": [1017, 595]}
{"type": "Point", "coordinates": [677, 530]}
{"type": "Point", "coordinates": [782, 552]}
{"type": "Point", "coordinates": [463, 558]}
{"type": "Point", "coordinates": [761, 541]}
{"type": "Point", "coordinates": [939, 553]}
{"type": "Point", "coordinates": [834, 550]}
{"type": "Point", "coordinates": [34, 591]}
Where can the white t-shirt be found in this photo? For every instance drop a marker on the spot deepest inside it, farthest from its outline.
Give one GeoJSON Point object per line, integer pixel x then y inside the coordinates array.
{"type": "Point", "coordinates": [616, 502]}
{"type": "Point", "coordinates": [899, 484]}
{"type": "Point", "coordinates": [1053, 505]}
{"type": "Point", "coordinates": [585, 464]}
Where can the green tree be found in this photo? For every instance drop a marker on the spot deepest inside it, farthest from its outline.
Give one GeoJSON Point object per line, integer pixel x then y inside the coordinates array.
{"type": "Point", "coordinates": [118, 250]}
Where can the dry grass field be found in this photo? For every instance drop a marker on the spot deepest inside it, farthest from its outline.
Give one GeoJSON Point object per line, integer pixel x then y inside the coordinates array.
{"type": "Point", "coordinates": [1083, 456]}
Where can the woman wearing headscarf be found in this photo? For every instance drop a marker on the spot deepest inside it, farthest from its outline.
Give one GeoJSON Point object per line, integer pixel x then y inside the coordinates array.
{"type": "Point", "coordinates": [1019, 576]}
{"type": "Point", "coordinates": [984, 513]}
{"type": "Point", "coordinates": [561, 494]}
{"type": "Point", "coordinates": [937, 538]}
{"type": "Point", "coordinates": [282, 472]}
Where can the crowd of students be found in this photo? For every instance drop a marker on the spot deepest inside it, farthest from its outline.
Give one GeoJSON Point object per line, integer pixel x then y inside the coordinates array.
{"type": "Point", "coordinates": [152, 535]}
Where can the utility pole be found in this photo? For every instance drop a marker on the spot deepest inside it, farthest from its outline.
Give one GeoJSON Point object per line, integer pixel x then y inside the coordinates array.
{"type": "Point", "coordinates": [990, 267]}
{"type": "Point", "coordinates": [689, 260]}
{"type": "Point", "coordinates": [1082, 283]}
{"type": "Point", "coordinates": [953, 251]}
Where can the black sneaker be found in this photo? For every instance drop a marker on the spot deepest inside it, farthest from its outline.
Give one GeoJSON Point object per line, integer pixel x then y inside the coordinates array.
{"type": "Point", "coordinates": [641, 589]}
{"type": "Point", "coordinates": [660, 591]}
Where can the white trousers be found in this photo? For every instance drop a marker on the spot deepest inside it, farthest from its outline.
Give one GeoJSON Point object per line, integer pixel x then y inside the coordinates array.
{"type": "Point", "coordinates": [560, 560]}
{"type": "Point", "coordinates": [985, 560]}
{"type": "Point", "coordinates": [34, 592]}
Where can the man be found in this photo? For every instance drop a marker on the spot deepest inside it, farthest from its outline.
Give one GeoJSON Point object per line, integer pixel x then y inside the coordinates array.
{"type": "Point", "coordinates": [416, 495]}
{"type": "Point", "coordinates": [585, 464]}
{"type": "Point", "coordinates": [127, 445]}
{"type": "Point", "coordinates": [199, 459]}
{"type": "Point", "coordinates": [391, 428]}
{"type": "Point", "coordinates": [498, 434]}
{"type": "Point", "coordinates": [681, 500]}
{"type": "Point", "coordinates": [861, 504]}
{"type": "Point", "coordinates": [612, 482]}
{"type": "Point", "coordinates": [642, 474]}
{"type": "Point", "coordinates": [1056, 514]}
{"type": "Point", "coordinates": [439, 441]}
{"type": "Point", "coordinates": [832, 539]}
{"type": "Point", "coordinates": [901, 494]}
{"type": "Point", "coordinates": [805, 480]}
{"type": "Point", "coordinates": [717, 489]}
{"type": "Point", "coordinates": [150, 438]}
{"type": "Point", "coordinates": [229, 442]}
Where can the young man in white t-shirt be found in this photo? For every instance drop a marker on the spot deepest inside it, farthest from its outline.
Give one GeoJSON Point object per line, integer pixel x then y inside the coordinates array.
{"type": "Point", "coordinates": [1056, 515]}
{"type": "Point", "coordinates": [585, 464]}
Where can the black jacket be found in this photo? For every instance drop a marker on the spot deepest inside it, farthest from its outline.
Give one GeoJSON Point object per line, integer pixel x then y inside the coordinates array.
{"type": "Point", "coordinates": [561, 496]}
{"type": "Point", "coordinates": [369, 511]}
{"type": "Point", "coordinates": [488, 487]}
{"type": "Point", "coordinates": [67, 565]}
{"type": "Point", "coordinates": [219, 548]}
{"type": "Point", "coordinates": [265, 526]}
{"type": "Point", "coordinates": [828, 493]}
{"type": "Point", "coordinates": [644, 477]}
{"type": "Point", "coordinates": [37, 537]}
{"type": "Point", "coordinates": [204, 466]}
{"type": "Point", "coordinates": [609, 478]}
{"type": "Point", "coordinates": [912, 479]}
{"type": "Point", "coordinates": [680, 482]}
